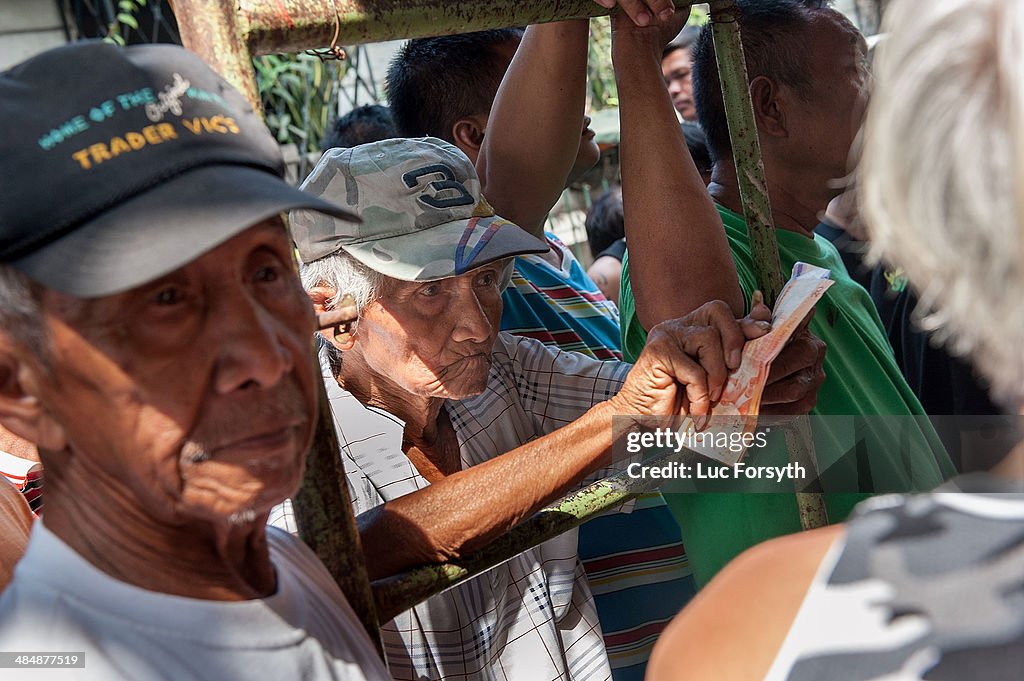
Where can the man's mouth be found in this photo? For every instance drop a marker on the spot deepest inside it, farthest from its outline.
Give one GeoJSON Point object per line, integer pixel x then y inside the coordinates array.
{"type": "Point", "coordinates": [587, 132]}
{"type": "Point", "coordinates": [271, 438]}
{"type": "Point", "coordinates": [480, 356]}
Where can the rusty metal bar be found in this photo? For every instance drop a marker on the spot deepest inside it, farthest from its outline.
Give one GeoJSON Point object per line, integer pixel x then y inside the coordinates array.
{"type": "Point", "coordinates": [323, 510]}
{"type": "Point", "coordinates": [400, 592]}
{"type": "Point", "coordinates": [212, 29]}
{"type": "Point", "coordinates": [757, 211]}
{"type": "Point", "coordinates": [323, 513]}
{"type": "Point", "coordinates": [293, 25]}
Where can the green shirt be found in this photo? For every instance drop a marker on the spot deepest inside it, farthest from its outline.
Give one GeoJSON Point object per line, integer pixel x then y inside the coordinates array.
{"type": "Point", "coordinates": [862, 378]}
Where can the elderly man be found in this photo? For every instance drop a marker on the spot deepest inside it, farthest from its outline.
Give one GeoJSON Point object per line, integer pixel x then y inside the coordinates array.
{"type": "Point", "coordinates": [154, 344]}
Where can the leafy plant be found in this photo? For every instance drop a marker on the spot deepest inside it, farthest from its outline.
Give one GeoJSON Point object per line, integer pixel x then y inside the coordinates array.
{"type": "Point", "coordinates": [126, 17]}
{"type": "Point", "coordinates": [300, 95]}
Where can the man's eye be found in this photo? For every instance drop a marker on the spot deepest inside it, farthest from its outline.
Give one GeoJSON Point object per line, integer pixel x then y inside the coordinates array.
{"type": "Point", "coordinates": [169, 296]}
{"type": "Point", "coordinates": [267, 274]}
{"type": "Point", "coordinates": [486, 279]}
{"type": "Point", "coordinates": [430, 291]}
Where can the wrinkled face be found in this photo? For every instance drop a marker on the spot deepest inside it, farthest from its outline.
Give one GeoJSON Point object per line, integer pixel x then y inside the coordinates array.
{"type": "Point", "coordinates": [828, 123]}
{"type": "Point", "coordinates": [675, 69]}
{"type": "Point", "coordinates": [434, 339]}
{"type": "Point", "coordinates": [193, 394]}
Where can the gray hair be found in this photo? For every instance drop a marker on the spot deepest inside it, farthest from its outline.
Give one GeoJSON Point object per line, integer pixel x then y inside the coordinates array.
{"type": "Point", "coordinates": [344, 274]}
{"type": "Point", "coordinates": [942, 175]}
{"type": "Point", "coordinates": [21, 315]}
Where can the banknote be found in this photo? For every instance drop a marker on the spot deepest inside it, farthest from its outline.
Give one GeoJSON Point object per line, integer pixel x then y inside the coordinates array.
{"type": "Point", "coordinates": [737, 410]}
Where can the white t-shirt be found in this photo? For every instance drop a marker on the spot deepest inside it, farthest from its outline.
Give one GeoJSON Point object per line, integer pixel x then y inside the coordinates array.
{"type": "Point", "coordinates": [60, 603]}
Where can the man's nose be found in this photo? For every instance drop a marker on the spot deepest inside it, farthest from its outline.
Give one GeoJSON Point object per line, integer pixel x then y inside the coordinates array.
{"type": "Point", "coordinates": [471, 320]}
{"type": "Point", "coordinates": [252, 348]}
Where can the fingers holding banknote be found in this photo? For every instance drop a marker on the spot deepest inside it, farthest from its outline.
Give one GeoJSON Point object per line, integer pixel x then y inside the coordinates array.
{"type": "Point", "coordinates": [796, 374]}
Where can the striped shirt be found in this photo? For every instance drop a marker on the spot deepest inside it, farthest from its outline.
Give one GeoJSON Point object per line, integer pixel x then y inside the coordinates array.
{"type": "Point", "coordinates": [532, 617]}
{"type": "Point", "coordinates": [560, 306]}
{"type": "Point", "coordinates": [637, 566]}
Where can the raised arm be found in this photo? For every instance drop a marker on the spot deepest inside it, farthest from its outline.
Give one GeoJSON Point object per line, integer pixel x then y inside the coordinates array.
{"type": "Point", "coordinates": [533, 131]}
{"type": "Point", "coordinates": [683, 369]}
{"type": "Point", "coordinates": [679, 256]}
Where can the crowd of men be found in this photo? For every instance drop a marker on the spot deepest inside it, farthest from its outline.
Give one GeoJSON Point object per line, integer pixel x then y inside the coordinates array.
{"type": "Point", "coordinates": [159, 357]}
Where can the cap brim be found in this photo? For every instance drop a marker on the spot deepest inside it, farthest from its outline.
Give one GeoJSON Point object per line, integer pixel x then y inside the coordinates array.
{"type": "Point", "coordinates": [446, 250]}
{"type": "Point", "coordinates": [164, 228]}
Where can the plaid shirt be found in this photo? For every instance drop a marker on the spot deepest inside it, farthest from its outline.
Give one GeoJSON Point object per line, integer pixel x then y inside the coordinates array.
{"type": "Point", "coordinates": [533, 616]}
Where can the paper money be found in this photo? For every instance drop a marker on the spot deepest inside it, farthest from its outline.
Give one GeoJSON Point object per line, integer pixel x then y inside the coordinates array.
{"type": "Point", "coordinates": [737, 410]}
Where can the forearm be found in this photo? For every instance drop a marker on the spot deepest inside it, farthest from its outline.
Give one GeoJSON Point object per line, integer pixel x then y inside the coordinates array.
{"type": "Point", "coordinates": [679, 254]}
{"type": "Point", "coordinates": [533, 132]}
{"type": "Point", "coordinates": [472, 507]}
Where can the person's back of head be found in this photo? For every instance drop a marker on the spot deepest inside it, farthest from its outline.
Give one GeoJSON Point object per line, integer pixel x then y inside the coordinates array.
{"type": "Point", "coordinates": [697, 145]}
{"type": "Point", "coordinates": [943, 169]}
{"type": "Point", "coordinates": [605, 222]}
{"type": "Point", "coordinates": [774, 34]}
{"type": "Point", "coordinates": [433, 82]}
{"type": "Point", "coordinates": [362, 125]}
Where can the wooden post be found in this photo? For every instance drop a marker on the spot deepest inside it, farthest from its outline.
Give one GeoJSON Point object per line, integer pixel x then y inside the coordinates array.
{"type": "Point", "coordinates": [757, 212]}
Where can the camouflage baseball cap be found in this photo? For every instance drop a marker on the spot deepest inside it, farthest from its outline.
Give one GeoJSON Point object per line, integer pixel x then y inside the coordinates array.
{"type": "Point", "coordinates": [423, 215]}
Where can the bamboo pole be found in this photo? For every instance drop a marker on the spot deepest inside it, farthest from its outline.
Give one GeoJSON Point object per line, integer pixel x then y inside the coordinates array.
{"type": "Point", "coordinates": [757, 212]}
{"type": "Point", "coordinates": [400, 592]}
{"type": "Point", "coordinates": [323, 513]}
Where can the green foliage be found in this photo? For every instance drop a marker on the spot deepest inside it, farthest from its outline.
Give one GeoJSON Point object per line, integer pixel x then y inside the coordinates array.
{"type": "Point", "coordinates": [300, 97]}
{"type": "Point", "coordinates": [126, 11]}
{"type": "Point", "coordinates": [601, 76]}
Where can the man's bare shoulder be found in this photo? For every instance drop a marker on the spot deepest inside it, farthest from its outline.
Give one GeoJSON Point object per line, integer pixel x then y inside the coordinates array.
{"type": "Point", "coordinates": [735, 626]}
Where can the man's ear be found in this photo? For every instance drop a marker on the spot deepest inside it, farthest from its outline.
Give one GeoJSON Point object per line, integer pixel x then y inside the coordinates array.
{"type": "Point", "coordinates": [468, 133]}
{"type": "Point", "coordinates": [320, 295]}
{"type": "Point", "coordinates": [21, 412]}
{"type": "Point", "coordinates": [769, 111]}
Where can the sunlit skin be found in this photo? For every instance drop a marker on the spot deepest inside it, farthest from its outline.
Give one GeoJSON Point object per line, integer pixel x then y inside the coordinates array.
{"type": "Point", "coordinates": [428, 340]}
{"type": "Point", "coordinates": [675, 68]}
{"type": "Point", "coordinates": [177, 414]}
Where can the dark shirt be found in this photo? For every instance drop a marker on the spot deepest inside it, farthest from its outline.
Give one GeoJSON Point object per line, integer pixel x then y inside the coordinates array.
{"type": "Point", "coordinates": [946, 385]}
{"type": "Point", "coordinates": [616, 250]}
{"type": "Point", "coordinates": [850, 250]}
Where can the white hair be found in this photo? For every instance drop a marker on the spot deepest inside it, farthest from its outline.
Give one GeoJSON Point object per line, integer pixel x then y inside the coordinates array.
{"type": "Point", "coordinates": [344, 274]}
{"type": "Point", "coordinates": [941, 180]}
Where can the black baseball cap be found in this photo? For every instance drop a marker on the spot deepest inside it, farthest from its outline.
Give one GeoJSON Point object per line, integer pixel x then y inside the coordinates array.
{"type": "Point", "coordinates": [119, 165]}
